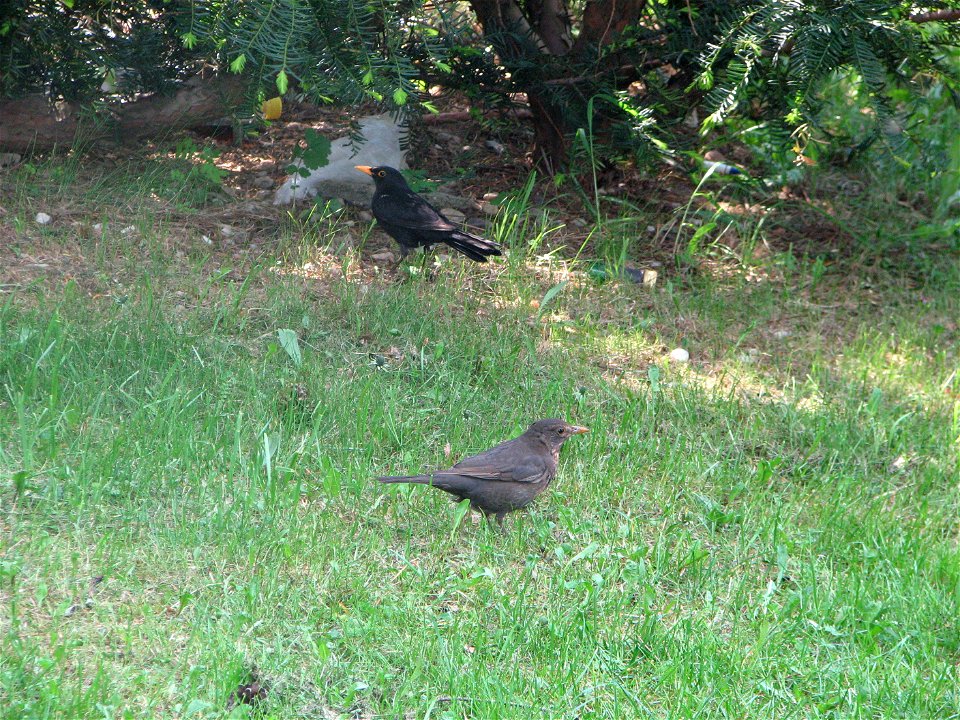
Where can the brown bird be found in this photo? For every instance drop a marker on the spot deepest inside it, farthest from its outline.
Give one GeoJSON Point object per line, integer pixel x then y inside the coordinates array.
{"type": "Point", "coordinates": [506, 477]}
{"type": "Point", "coordinates": [413, 222]}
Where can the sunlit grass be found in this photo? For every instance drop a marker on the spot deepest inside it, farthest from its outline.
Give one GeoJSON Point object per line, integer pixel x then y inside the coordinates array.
{"type": "Point", "coordinates": [759, 534]}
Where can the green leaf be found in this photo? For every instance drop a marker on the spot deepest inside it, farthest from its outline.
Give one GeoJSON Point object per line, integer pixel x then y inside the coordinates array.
{"type": "Point", "coordinates": [550, 295]}
{"type": "Point", "coordinates": [317, 153]}
{"type": "Point", "coordinates": [282, 82]}
{"type": "Point", "coordinates": [653, 373]}
{"type": "Point", "coordinates": [196, 706]}
{"type": "Point", "coordinates": [400, 96]}
{"type": "Point", "coordinates": [189, 40]}
{"type": "Point", "coordinates": [367, 78]}
{"type": "Point", "coordinates": [290, 343]}
{"type": "Point", "coordinates": [463, 507]}
{"type": "Point", "coordinates": [238, 63]}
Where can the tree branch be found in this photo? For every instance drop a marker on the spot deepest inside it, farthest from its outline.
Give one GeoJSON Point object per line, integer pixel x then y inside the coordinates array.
{"type": "Point", "coordinates": [33, 123]}
{"type": "Point", "coordinates": [935, 16]}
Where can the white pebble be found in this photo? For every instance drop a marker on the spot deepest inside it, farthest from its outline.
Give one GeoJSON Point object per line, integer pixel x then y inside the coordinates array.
{"type": "Point", "coordinates": [679, 355]}
{"type": "Point", "coordinates": [43, 219]}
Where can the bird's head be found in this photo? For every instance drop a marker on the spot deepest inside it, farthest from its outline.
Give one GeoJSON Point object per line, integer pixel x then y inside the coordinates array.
{"type": "Point", "coordinates": [553, 432]}
{"type": "Point", "coordinates": [383, 175]}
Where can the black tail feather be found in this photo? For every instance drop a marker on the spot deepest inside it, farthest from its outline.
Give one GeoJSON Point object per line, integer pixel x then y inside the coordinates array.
{"type": "Point", "coordinates": [475, 248]}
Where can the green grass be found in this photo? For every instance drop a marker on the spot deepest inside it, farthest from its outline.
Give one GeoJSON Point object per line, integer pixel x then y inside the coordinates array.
{"type": "Point", "coordinates": [766, 534]}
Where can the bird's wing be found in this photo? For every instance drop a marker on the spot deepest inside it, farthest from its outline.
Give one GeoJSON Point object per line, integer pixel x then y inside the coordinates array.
{"type": "Point", "coordinates": [498, 465]}
{"type": "Point", "coordinates": [410, 211]}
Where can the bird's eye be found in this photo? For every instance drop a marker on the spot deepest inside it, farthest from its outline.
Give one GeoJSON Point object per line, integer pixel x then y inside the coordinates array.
{"type": "Point", "coordinates": [381, 173]}
{"type": "Point", "coordinates": [560, 431]}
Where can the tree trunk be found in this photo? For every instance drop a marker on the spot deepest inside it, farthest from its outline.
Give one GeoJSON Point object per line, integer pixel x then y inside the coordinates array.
{"type": "Point", "coordinates": [548, 47]}
{"type": "Point", "coordinates": [34, 124]}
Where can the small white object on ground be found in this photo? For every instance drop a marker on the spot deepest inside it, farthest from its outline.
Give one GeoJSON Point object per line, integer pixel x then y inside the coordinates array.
{"type": "Point", "coordinates": [494, 146]}
{"type": "Point", "coordinates": [43, 219]}
{"type": "Point", "coordinates": [679, 355]}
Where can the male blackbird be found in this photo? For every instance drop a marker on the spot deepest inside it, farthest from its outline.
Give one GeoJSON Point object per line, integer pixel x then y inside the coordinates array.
{"type": "Point", "coordinates": [413, 222]}
{"type": "Point", "coordinates": [506, 477]}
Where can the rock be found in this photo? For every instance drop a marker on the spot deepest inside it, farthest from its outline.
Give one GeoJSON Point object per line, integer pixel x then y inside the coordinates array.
{"type": "Point", "coordinates": [384, 257]}
{"type": "Point", "coordinates": [263, 183]}
{"type": "Point", "coordinates": [365, 215]}
{"type": "Point", "coordinates": [782, 334]}
{"type": "Point", "coordinates": [488, 208]}
{"type": "Point", "coordinates": [491, 196]}
{"type": "Point", "coordinates": [98, 228]}
{"type": "Point", "coordinates": [206, 240]}
{"type": "Point", "coordinates": [579, 222]}
{"type": "Point", "coordinates": [679, 355]}
{"type": "Point", "coordinates": [454, 215]}
{"type": "Point", "coordinates": [227, 231]}
{"type": "Point", "coordinates": [128, 230]}
{"type": "Point", "coordinates": [7, 159]}
{"type": "Point", "coordinates": [43, 219]}
{"type": "Point", "coordinates": [339, 178]}
{"type": "Point", "coordinates": [445, 199]}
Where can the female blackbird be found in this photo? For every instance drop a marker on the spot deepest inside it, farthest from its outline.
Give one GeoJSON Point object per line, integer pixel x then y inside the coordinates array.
{"type": "Point", "coordinates": [413, 222]}
{"type": "Point", "coordinates": [506, 477]}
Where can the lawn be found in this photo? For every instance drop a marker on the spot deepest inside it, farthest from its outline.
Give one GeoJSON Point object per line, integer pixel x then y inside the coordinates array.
{"type": "Point", "coordinates": [767, 531]}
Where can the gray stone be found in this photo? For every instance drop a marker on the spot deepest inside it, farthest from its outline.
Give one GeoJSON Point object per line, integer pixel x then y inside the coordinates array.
{"type": "Point", "coordinates": [454, 215]}
{"type": "Point", "coordinates": [339, 177]}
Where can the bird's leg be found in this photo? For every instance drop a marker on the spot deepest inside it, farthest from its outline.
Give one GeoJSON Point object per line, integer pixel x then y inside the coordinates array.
{"type": "Point", "coordinates": [425, 271]}
{"type": "Point", "coordinates": [404, 251]}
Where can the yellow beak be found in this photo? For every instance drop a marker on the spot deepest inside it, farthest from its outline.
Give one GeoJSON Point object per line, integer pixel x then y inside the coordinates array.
{"type": "Point", "coordinates": [365, 169]}
{"type": "Point", "coordinates": [578, 430]}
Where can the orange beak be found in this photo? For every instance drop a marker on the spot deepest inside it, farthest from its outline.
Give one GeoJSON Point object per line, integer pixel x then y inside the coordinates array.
{"type": "Point", "coordinates": [578, 430]}
{"type": "Point", "coordinates": [364, 169]}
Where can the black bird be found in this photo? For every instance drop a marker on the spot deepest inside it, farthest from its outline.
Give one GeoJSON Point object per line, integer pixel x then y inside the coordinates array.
{"type": "Point", "coordinates": [506, 477]}
{"type": "Point", "coordinates": [413, 222]}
